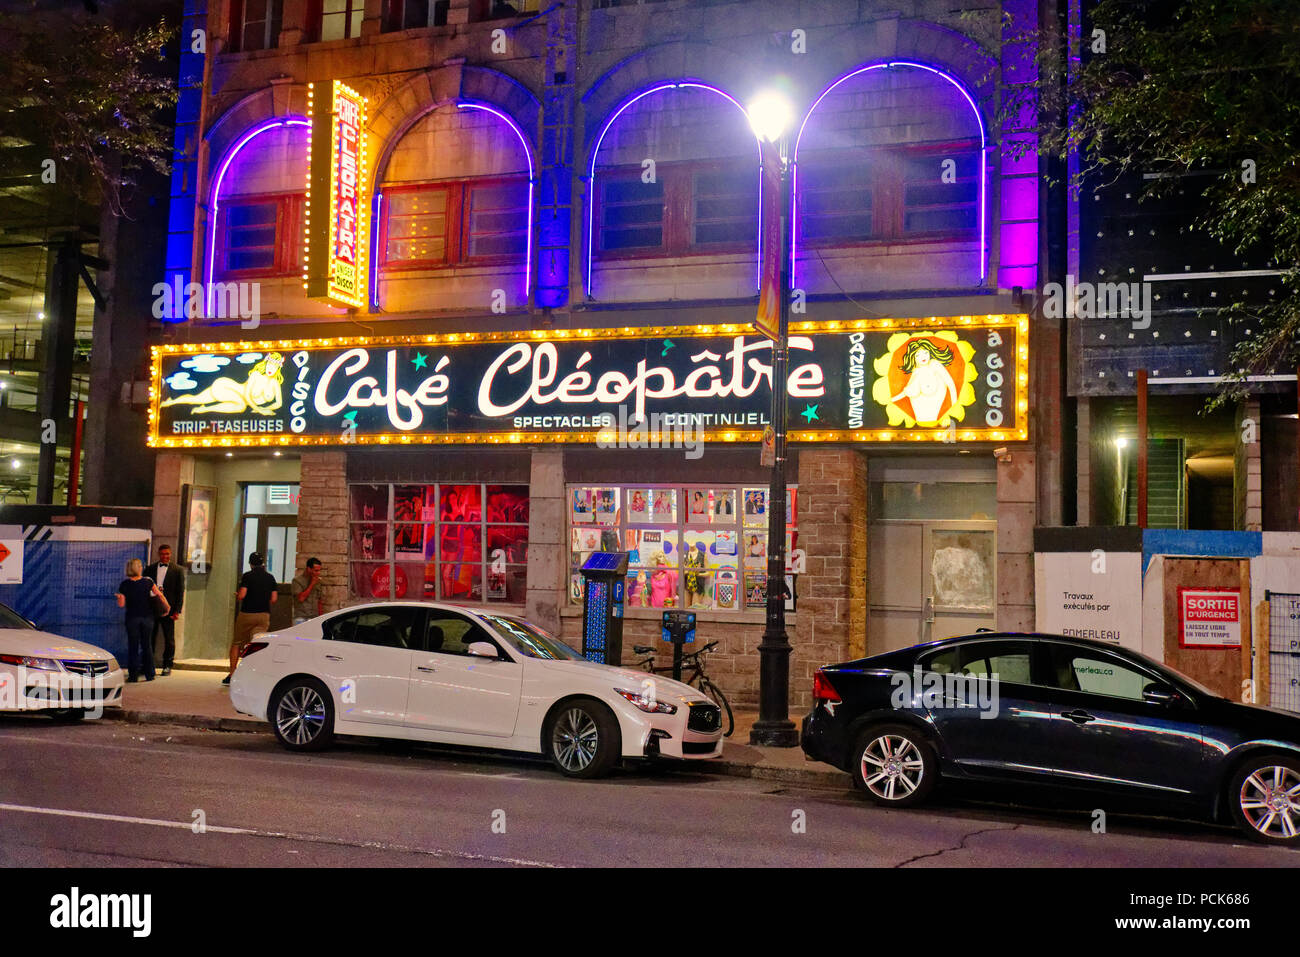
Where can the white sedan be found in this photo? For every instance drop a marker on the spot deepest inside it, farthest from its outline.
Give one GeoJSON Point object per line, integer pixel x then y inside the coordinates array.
{"type": "Point", "coordinates": [453, 675]}
{"type": "Point", "coordinates": [63, 678]}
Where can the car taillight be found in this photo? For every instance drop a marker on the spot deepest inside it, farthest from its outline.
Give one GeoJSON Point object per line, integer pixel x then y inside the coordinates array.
{"type": "Point", "coordinates": [823, 690]}
{"type": "Point", "coordinates": [253, 646]}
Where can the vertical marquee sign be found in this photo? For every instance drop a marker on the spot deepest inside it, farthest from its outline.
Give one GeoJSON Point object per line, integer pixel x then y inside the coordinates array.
{"type": "Point", "coordinates": [334, 264]}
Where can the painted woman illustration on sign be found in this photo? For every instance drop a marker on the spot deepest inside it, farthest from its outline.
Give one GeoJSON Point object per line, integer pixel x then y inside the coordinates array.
{"type": "Point", "coordinates": [925, 379]}
{"type": "Point", "coordinates": [929, 384]}
{"type": "Point", "coordinates": [259, 393]}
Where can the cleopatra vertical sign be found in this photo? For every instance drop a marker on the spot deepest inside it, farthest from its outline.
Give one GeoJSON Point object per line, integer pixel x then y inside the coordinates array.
{"type": "Point", "coordinates": [334, 266]}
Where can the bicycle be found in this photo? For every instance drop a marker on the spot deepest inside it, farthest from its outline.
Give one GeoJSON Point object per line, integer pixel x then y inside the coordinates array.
{"type": "Point", "coordinates": [694, 661]}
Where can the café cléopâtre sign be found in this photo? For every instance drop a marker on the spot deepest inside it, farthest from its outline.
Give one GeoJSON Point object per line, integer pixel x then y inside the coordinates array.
{"type": "Point", "coordinates": [948, 379]}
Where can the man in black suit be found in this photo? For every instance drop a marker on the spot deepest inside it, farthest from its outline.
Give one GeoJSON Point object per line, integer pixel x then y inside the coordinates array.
{"type": "Point", "coordinates": [170, 579]}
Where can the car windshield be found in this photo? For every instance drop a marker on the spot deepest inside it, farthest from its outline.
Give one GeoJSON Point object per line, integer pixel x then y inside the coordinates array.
{"type": "Point", "coordinates": [11, 619]}
{"type": "Point", "coordinates": [1170, 673]}
{"type": "Point", "coordinates": [529, 640]}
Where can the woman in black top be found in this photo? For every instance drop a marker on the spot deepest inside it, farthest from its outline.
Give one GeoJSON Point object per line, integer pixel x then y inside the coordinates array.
{"type": "Point", "coordinates": [135, 594]}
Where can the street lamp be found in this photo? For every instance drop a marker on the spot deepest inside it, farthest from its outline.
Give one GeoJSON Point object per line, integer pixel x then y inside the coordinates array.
{"type": "Point", "coordinates": [772, 118]}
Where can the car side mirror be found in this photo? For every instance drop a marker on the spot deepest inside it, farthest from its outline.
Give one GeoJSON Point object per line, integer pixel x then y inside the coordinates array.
{"type": "Point", "coordinates": [483, 649]}
{"type": "Point", "coordinates": [1161, 695]}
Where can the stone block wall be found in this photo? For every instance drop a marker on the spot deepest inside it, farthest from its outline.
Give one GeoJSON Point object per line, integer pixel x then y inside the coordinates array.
{"type": "Point", "coordinates": [323, 521]}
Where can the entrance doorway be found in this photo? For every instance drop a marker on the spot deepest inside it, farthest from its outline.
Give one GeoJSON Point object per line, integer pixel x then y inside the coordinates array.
{"type": "Point", "coordinates": [932, 550]}
{"type": "Point", "coordinates": [270, 526]}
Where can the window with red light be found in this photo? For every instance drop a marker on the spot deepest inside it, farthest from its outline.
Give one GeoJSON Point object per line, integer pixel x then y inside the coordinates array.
{"type": "Point", "coordinates": [455, 541]}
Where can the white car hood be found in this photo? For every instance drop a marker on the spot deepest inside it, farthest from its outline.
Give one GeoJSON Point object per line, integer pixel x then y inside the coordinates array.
{"type": "Point", "coordinates": [43, 644]}
{"type": "Point", "coordinates": [628, 678]}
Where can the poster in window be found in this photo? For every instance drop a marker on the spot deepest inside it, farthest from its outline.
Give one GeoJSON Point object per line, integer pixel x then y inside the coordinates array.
{"type": "Point", "coordinates": [755, 550]}
{"type": "Point", "coordinates": [507, 503]}
{"type": "Point", "coordinates": [460, 503]}
{"type": "Point", "coordinates": [649, 545]}
{"type": "Point", "coordinates": [724, 505]}
{"type": "Point", "coordinates": [585, 540]}
{"type": "Point", "coordinates": [724, 545]}
{"type": "Point", "coordinates": [664, 505]}
{"type": "Point", "coordinates": [605, 506]}
{"type": "Point", "coordinates": [638, 506]}
{"type": "Point", "coordinates": [726, 588]}
{"type": "Point", "coordinates": [698, 510]}
{"type": "Point", "coordinates": [581, 506]}
{"type": "Point", "coordinates": [755, 590]}
{"type": "Point", "coordinates": [791, 512]}
{"type": "Point", "coordinates": [756, 507]}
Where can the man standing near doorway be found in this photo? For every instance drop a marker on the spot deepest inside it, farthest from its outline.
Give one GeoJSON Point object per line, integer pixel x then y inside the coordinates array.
{"type": "Point", "coordinates": [256, 594]}
{"type": "Point", "coordinates": [170, 579]}
{"type": "Point", "coordinates": [307, 601]}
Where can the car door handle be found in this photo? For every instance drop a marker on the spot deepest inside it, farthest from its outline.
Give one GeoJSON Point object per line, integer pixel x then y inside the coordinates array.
{"type": "Point", "coordinates": [334, 657]}
{"type": "Point", "coordinates": [429, 668]}
{"type": "Point", "coordinates": [1078, 717]}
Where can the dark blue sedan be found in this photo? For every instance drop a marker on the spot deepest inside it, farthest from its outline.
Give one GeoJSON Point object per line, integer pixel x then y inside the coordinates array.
{"type": "Point", "coordinates": [1045, 710]}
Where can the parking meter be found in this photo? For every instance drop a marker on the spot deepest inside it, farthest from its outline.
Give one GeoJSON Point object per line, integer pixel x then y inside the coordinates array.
{"type": "Point", "coordinates": [679, 628]}
{"type": "Point", "coordinates": [605, 577]}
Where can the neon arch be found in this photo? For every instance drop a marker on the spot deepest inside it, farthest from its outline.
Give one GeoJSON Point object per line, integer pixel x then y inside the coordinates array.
{"type": "Point", "coordinates": [215, 196]}
{"type": "Point", "coordinates": [590, 239]}
{"type": "Point", "coordinates": [532, 185]}
{"type": "Point", "coordinates": [984, 173]}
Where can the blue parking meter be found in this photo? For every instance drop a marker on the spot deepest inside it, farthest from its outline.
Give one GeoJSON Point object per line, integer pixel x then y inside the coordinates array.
{"type": "Point", "coordinates": [679, 628]}
{"type": "Point", "coordinates": [605, 578]}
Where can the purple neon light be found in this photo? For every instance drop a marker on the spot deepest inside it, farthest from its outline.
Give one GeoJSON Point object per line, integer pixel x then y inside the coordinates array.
{"type": "Point", "coordinates": [591, 172]}
{"type": "Point", "coordinates": [983, 151]}
{"type": "Point", "coordinates": [532, 180]}
{"type": "Point", "coordinates": [216, 192]}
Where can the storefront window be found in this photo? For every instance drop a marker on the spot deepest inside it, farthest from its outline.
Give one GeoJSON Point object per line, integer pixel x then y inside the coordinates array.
{"type": "Point", "coordinates": [427, 541]}
{"type": "Point", "coordinates": [693, 546]}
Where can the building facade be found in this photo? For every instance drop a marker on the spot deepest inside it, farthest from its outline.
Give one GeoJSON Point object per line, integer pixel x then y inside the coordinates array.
{"type": "Point", "coordinates": [475, 285]}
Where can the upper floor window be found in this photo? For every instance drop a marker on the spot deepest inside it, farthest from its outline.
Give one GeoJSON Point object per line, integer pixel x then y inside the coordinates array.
{"type": "Point", "coordinates": [478, 221]}
{"type": "Point", "coordinates": [688, 208]}
{"type": "Point", "coordinates": [258, 236]}
{"type": "Point", "coordinates": [889, 194]}
{"type": "Point", "coordinates": [338, 19]}
{"type": "Point", "coordinates": [254, 24]}
{"type": "Point", "coordinates": [414, 14]}
{"type": "Point", "coordinates": [480, 10]}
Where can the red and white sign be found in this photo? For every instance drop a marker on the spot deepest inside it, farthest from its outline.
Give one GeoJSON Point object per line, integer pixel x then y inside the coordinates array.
{"type": "Point", "coordinates": [11, 561]}
{"type": "Point", "coordinates": [1209, 618]}
{"type": "Point", "coordinates": [335, 263]}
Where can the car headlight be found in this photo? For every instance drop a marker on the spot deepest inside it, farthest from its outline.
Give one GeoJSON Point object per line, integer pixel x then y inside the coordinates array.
{"type": "Point", "coordinates": [36, 664]}
{"type": "Point", "coordinates": [646, 702]}
{"type": "Point", "coordinates": [113, 665]}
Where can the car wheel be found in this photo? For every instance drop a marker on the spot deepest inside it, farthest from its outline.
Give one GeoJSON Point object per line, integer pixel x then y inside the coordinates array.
{"type": "Point", "coordinates": [894, 765]}
{"type": "Point", "coordinates": [302, 715]}
{"type": "Point", "coordinates": [1265, 798]}
{"type": "Point", "coordinates": [68, 715]}
{"type": "Point", "coordinates": [582, 738]}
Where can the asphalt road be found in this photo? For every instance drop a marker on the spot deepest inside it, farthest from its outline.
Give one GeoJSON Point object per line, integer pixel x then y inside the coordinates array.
{"type": "Point", "coordinates": [112, 794]}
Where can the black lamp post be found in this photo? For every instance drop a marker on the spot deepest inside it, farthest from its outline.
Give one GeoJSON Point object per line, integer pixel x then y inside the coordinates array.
{"type": "Point", "coordinates": [771, 116]}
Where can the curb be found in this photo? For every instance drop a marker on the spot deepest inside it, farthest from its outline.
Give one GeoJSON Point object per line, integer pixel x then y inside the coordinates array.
{"type": "Point", "coordinates": [829, 779]}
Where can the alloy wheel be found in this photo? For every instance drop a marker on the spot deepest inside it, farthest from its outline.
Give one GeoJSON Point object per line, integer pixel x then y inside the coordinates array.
{"type": "Point", "coordinates": [574, 739]}
{"type": "Point", "coordinates": [892, 767]}
{"type": "Point", "coordinates": [1270, 801]}
{"type": "Point", "coordinates": [301, 715]}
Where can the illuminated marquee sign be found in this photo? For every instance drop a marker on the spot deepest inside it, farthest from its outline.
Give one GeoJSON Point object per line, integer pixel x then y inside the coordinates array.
{"type": "Point", "coordinates": [334, 264]}
{"type": "Point", "coordinates": [949, 379]}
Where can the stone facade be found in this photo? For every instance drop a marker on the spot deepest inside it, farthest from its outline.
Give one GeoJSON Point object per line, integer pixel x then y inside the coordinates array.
{"type": "Point", "coordinates": [323, 521]}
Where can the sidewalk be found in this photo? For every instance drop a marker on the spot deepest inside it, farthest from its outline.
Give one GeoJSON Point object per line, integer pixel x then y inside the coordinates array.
{"type": "Point", "coordinates": [198, 699]}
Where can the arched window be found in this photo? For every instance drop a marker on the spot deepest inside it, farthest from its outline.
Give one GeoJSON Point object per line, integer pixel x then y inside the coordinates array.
{"type": "Point", "coordinates": [674, 195]}
{"type": "Point", "coordinates": [890, 184]}
{"type": "Point", "coordinates": [455, 200]}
